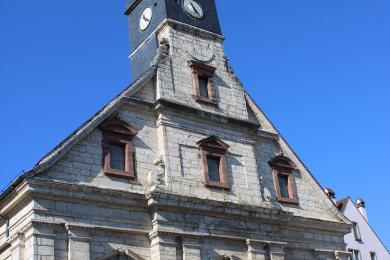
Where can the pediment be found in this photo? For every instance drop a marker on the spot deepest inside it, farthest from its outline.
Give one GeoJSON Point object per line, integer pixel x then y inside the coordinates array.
{"type": "Point", "coordinates": [118, 126]}
{"type": "Point", "coordinates": [213, 142]}
{"type": "Point", "coordinates": [282, 161]}
{"type": "Point", "coordinates": [121, 255]}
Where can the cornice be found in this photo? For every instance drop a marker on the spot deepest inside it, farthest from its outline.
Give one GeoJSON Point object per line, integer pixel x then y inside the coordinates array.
{"type": "Point", "coordinates": [180, 203]}
{"type": "Point", "coordinates": [163, 103]}
{"type": "Point", "coordinates": [189, 29]}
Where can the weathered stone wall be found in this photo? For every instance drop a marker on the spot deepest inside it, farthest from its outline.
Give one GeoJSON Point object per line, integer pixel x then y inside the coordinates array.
{"type": "Point", "coordinates": [175, 77]}
{"type": "Point", "coordinates": [83, 164]}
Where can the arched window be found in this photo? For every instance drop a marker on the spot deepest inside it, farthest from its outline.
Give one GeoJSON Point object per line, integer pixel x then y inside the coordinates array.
{"type": "Point", "coordinates": [282, 170]}
{"type": "Point", "coordinates": [118, 152]}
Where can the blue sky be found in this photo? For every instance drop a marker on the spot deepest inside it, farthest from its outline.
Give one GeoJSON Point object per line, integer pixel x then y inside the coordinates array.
{"type": "Point", "coordinates": [319, 69]}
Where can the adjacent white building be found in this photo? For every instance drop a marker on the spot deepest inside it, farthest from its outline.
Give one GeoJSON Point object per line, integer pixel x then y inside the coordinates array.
{"type": "Point", "coordinates": [362, 242]}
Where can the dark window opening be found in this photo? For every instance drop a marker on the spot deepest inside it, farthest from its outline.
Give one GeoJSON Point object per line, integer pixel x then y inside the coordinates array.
{"type": "Point", "coordinates": [118, 157]}
{"type": "Point", "coordinates": [213, 169]}
{"type": "Point", "coordinates": [203, 87]}
{"type": "Point", "coordinates": [356, 231]}
{"type": "Point", "coordinates": [283, 183]}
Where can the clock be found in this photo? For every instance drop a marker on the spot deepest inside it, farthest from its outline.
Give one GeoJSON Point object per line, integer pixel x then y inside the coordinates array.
{"type": "Point", "coordinates": [145, 19]}
{"type": "Point", "coordinates": [193, 9]}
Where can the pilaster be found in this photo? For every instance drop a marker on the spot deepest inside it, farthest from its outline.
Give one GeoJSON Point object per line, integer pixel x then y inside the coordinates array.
{"type": "Point", "coordinates": [191, 248]}
{"type": "Point", "coordinates": [277, 250]}
{"type": "Point", "coordinates": [40, 241]}
{"type": "Point", "coordinates": [256, 250]}
{"type": "Point", "coordinates": [163, 246]}
{"type": "Point", "coordinates": [79, 242]}
{"type": "Point", "coordinates": [17, 247]}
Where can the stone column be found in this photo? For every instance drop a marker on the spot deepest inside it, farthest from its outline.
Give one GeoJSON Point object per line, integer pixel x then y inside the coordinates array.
{"type": "Point", "coordinates": [163, 246]}
{"type": "Point", "coordinates": [17, 247]}
{"type": "Point", "coordinates": [277, 250]}
{"type": "Point", "coordinates": [256, 250]}
{"type": "Point", "coordinates": [40, 241]}
{"type": "Point", "coordinates": [79, 242]}
{"type": "Point", "coordinates": [191, 248]}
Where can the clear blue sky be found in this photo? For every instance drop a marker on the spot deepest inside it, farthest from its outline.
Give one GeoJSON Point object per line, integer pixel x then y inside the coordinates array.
{"type": "Point", "coordinates": [319, 69]}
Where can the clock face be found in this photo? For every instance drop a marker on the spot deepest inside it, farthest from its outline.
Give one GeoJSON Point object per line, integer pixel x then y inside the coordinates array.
{"type": "Point", "coordinates": [193, 9]}
{"type": "Point", "coordinates": [146, 18]}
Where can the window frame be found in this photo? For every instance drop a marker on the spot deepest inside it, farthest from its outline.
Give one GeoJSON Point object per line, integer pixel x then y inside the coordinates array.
{"type": "Point", "coordinates": [373, 254]}
{"type": "Point", "coordinates": [353, 254]}
{"type": "Point", "coordinates": [215, 148]}
{"type": "Point", "coordinates": [283, 166]}
{"type": "Point", "coordinates": [205, 71]}
{"type": "Point", "coordinates": [117, 132]}
{"type": "Point", "coordinates": [356, 231]}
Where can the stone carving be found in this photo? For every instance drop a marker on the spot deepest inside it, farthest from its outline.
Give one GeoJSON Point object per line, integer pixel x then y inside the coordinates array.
{"type": "Point", "coordinates": [156, 178]}
{"type": "Point", "coordinates": [267, 196]}
{"type": "Point", "coordinates": [227, 65]}
{"type": "Point", "coordinates": [202, 55]}
{"type": "Point", "coordinates": [162, 51]}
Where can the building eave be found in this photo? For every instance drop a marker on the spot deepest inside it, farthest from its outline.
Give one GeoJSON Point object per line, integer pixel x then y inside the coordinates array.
{"type": "Point", "coordinates": [63, 147]}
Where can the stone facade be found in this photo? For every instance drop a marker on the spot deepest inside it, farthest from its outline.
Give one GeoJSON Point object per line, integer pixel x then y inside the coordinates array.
{"type": "Point", "coordinates": [67, 207]}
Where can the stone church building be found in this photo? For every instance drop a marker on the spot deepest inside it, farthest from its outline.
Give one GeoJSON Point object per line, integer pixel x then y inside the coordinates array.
{"type": "Point", "coordinates": [182, 165]}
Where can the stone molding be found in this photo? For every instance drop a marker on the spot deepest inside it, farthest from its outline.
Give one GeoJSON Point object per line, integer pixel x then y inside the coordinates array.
{"type": "Point", "coordinates": [329, 254]}
{"type": "Point", "coordinates": [189, 29]}
{"type": "Point", "coordinates": [163, 103]}
{"type": "Point", "coordinates": [121, 252]}
{"type": "Point", "coordinates": [342, 255]}
{"type": "Point", "coordinates": [180, 203]}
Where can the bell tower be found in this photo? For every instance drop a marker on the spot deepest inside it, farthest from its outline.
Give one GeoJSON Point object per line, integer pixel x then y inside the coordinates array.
{"type": "Point", "coordinates": [147, 16]}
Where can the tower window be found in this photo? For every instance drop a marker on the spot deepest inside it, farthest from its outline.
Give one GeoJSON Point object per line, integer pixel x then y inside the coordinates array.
{"type": "Point", "coordinates": [282, 168]}
{"type": "Point", "coordinates": [213, 151]}
{"type": "Point", "coordinates": [203, 85]}
{"type": "Point", "coordinates": [118, 155]}
{"type": "Point", "coordinates": [373, 256]}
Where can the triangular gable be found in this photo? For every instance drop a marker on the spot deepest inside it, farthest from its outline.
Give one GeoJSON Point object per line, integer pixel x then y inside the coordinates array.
{"type": "Point", "coordinates": [56, 153]}
{"type": "Point", "coordinates": [347, 203]}
{"type": "Point", "coordinates": [286, 148]}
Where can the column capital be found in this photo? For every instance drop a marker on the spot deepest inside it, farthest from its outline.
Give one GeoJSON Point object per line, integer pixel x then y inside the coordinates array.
{"type": "Point", "coordinates": [342, 255]}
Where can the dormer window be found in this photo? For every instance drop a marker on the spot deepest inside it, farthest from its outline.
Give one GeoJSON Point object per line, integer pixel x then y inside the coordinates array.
{"type": "Point", "coordinates": [118, 151]}
{"type": "Point", "coordinates": [213, 152]}
{"type": "Point", "coordinates": [282, 168]}
{"type": "Point", "coordinates": [203, 85]}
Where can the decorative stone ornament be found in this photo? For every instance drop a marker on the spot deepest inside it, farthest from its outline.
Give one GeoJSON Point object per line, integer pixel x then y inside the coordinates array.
{"type": "Point", "coordinates": [156, 178]}
{"type": "Point", "coordinates": [202, 55]}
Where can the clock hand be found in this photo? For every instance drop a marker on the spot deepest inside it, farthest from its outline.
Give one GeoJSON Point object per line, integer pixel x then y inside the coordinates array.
{"type": "Point", "coordinates": [146, 19]}
{"type": "Point", "coordinates": [193, 7]}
